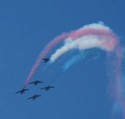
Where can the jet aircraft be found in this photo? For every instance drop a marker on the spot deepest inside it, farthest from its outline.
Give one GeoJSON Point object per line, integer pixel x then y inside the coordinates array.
{"type": "Point", "coordinates": [34, 97]}
{"type": "Point", "coordinates": [46, 60]}
{"type": "Point", "coordinates": [36, 82]}
{"type": "Point", "coordinates": [47, 88]}
{"type": "Point", "coordinates": [22, 91]}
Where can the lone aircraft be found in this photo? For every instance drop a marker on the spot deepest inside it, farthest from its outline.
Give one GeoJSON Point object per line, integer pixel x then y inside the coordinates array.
{"type": "Point", "coordinates": [34, 97]}
{"type": "Point", "coordinates": [46, 60]}
{"type": "Point", "coordinates": [22, 91]}
{"type": "Point", "coordinates": [47, 88]}
{"type": "Point", "coordinates": [36, 82]}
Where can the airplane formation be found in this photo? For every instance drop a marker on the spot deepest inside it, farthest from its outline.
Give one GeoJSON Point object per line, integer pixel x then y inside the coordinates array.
{"type": "Point", "coordinates": [34, 97]}
{"type": "Point", "coordinates": [35, 83]}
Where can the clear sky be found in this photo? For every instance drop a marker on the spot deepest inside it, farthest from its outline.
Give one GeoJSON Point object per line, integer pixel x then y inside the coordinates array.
{"type": "Point", "coordinates": [26, 26]}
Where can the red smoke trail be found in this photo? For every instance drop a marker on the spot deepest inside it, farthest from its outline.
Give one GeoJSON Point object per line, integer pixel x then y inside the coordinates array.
{"type": "Point", "coordinates": [88, 31]}
{"type": "Point", "coordinates": [114, 67]}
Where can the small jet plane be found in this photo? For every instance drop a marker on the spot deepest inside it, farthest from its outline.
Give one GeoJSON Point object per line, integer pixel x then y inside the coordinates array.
{"type": "Point", "coordinates": [22, 91]}
{"type": "Point", "coordinates": [34, 97]}
{"type": "Point", "coordinates": [46, 60]}
{"type": "Point", "coordinates": [47, 88]}
{"type": "Point", "coordinates": [36, 82]}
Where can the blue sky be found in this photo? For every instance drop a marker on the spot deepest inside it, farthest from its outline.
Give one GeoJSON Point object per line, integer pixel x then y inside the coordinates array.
{"type": "Point", "coordinates": [26, 26]}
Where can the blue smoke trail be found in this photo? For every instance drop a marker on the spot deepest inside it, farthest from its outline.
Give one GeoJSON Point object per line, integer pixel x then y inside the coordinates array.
{"type": "Point", "coordinates": [90, 54]}
{"type": "Point", "coordinates": [73, 60]}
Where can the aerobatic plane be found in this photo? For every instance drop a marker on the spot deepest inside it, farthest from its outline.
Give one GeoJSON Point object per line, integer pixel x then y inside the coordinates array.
{"type": "Point", "coordinates": [22, 91]}
{"type": "Point", "coordinates": [36, 82]}
{"type": "Point", "coordinates": [47, 88]}
{"type": "Point", "coordinates": [34, 97]}
{"type": "Point", "coordinates": [46, 60]}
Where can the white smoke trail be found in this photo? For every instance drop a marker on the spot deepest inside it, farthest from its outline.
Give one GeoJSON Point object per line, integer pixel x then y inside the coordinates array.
{"type": "Point", "coordinates": [98, 26]}
{"type": "Point", "coordinates": [85, 42]}
{"type": "Point", "coordinates": [85, 38]}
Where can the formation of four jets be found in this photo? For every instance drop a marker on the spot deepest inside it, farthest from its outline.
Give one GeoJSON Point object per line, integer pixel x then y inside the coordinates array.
{"type": "Point", "coordinates": [36, 83]}
{"type": "Point", "coordinates": [94, 55]}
